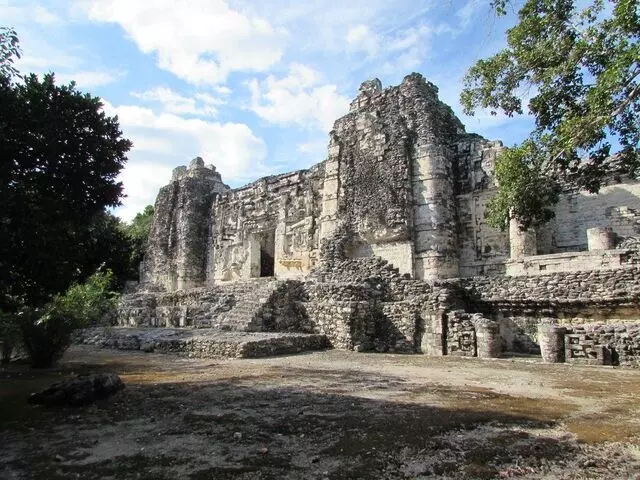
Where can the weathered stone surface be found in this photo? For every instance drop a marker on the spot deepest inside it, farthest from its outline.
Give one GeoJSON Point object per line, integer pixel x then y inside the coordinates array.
{"type": "Point", "coordinates": [82, 390]}
{"type": "Point", "coordinates": [202, 343]}
{"type": "Point", "coordinates": [551, 339]}
{"type": "Point", "coordinates": [176, 251]}
{"type": "Point", "coordinates": [384, 246]}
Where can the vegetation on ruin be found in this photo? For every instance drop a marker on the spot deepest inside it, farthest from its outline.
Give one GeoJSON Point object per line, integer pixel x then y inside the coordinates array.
{"type": "Point", "coordinates": [137, 232]}
{"type": "Point", "coordinates": [579, 69]}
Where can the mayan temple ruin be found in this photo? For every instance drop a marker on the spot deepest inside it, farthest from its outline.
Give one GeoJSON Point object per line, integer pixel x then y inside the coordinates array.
{"type": "Point", "coordinates": [383, 246]}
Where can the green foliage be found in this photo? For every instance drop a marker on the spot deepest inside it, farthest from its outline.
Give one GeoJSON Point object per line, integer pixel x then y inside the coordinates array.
{"type": "Point", "coordinates": [110, 245]}
{"type": "Point", "coordinates": [61, 155]}
{"type": "Point", "coordinates": [138, 233]}
{"type": "Point", "coordinates": [9, 335]}
{"type": "Point", "coordinates": [580, 67]}
{"type": "Point", "coordinates": [141, 223]}
{"type": "Point", "coordinates": [524, 191]}
{"type": "Point", "coordinates": [85, 303]}
{"type": "Point", "coordinates": [46, 333]}
{"type": "Point", "coordinates": [46, 337]}
{"type": "Point", "coordinates": [9, 51]}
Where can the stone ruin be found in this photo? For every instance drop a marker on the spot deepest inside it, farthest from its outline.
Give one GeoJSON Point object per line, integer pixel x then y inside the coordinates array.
{"type": "Point", "coordinates": [384, 247]}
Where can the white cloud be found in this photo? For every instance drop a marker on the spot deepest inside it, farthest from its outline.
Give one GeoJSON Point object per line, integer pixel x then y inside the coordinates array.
{"type": "Point", "coordinates": [164, 141]}
{"type": "Point", "coordinates": [232, 147]}
{"type": "Point", "coordinates": [141, 181]}
{"type": "Point", "coordinates": [298, 99]}
{"type": "Point", "coordinates": [48, 58]}
{"type": "Point", "coordinates": [314, 147]}
{"type": "Point", "coordinates": [470, 10]}
{"type": "Point", "coordinates": [200, 41]}
{"type": "Point", "coordinates": [222, 90]}
{"type": "Point", "coordinates": [44, 16]}
{"type": "Point", "coordinates": [409, 48]}
{"type": "Point", "coordinates": [360, 37]}
{"type": "Point", "coordinates": [88, 79]}
{"type": "Point", "coordinates": [172, 102]}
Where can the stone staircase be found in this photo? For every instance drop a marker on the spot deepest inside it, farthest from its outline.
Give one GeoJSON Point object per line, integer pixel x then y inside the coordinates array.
{"type": "Point", "coordinates": [238, 306]}
{"type": "Point", "coordinates": [227, 320]}
{"type": "Point", "coordinates": [251, 297]}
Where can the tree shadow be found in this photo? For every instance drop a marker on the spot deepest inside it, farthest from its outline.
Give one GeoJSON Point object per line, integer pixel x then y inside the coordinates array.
{"type": "Point", "coordinates": [265, 427]}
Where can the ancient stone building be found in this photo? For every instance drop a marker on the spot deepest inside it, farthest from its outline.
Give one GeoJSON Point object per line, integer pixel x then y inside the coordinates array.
{"type": "Point", "coordinates": [384, 246]}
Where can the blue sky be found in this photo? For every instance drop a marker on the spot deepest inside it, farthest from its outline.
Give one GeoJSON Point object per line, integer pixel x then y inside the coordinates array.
{"type": "Point", "coordinates": [251, 86]}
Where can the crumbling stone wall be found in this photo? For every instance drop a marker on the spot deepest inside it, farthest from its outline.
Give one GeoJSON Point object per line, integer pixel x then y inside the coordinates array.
{"type": "Point", "coordinates": [560, 295]}
{"type": "Point", "coordinates": [617, 344]}
{"type": "Point", "coordinates": [177, 246]}
{"type": "Point", "coordinates": [579, 301]}
{"type": "Point", "coordinates": [389, 178]}
{"type": "Point", "coordinates": [280, 210]}
{"type": "Point", "coordinates": [386, 310]}
{"type": "Point", "coordinates": [483, 249]}
{"type": "Point", "coordinates": [616, 206]}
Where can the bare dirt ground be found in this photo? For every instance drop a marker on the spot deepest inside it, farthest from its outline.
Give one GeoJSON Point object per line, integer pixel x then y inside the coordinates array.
{"type": "Point", "coordinates": [325, 415]}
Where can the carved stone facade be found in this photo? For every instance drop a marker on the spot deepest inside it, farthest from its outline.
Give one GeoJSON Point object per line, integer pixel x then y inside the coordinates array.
{"type": "Point", "coordinates": [384, 245]}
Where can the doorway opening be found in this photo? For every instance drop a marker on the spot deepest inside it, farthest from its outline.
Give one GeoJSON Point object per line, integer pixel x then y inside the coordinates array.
{"type": "Point", "coordinates": [267, 253]}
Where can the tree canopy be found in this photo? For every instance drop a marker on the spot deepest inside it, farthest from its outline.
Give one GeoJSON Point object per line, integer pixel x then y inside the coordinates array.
{"type": "Point", "coordinates": [9, 51]}
{"type": "Point", "coordinates": [138, 232]}
{"type": "Point", "coordinates": [580, 69]}
{"type": "Point", "coordinates": [61, 155]}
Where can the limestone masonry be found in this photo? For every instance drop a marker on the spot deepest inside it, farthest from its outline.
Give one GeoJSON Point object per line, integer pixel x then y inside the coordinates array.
{"type": "Point", "coordinates": [384, 246]}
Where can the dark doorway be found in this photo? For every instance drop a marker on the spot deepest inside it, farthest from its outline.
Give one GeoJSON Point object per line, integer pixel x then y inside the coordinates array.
{"type": "Point", "coordinates": [267, 253]}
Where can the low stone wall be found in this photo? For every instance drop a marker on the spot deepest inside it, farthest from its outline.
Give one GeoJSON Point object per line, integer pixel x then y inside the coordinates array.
{"type": "Point", "coordinates": [599, 309]}
{"type": "Point", "coordinates": [348, 325]}
{"type": "Point", "coordinates": [556, 293]}
{"type": "Point", "coordinates": [603, 344]}
{"type": "Point", "coordinates": [611, 259]}
{"type": "Point", "coordinates": [399, 329]}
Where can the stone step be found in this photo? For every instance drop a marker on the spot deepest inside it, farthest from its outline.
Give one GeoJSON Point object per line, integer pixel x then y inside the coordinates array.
{"type": "Point", "coordinates": [202, 343]}
{"type": "Point", "coordinates": [202, 305]}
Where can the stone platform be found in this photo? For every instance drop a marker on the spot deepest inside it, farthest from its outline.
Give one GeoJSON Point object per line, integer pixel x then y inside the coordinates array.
{"type": "Point", "coordinates": [202, 343]}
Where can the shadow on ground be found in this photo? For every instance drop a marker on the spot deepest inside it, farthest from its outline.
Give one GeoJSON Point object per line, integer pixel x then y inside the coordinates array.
{"type": "Point", "coordinates": [290, 424]}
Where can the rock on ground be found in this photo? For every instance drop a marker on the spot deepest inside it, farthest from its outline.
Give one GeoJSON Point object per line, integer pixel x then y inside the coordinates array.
{"type": "Point", "coordinates": [82, 390]}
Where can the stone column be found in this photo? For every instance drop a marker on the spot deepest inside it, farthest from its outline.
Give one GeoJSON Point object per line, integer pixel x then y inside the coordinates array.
{"type": "Point", "coordinates": [432, 341]}
{"type": "Point", "coordinates": [551, 341]}
{"type": "Point", "coordinates": [434, 215]}
{"type": "Point", "coordinates": [600, 238]}
{"type": "Point", "coordinates": [522, 243]}
{"type": "Point", "coordinates": [488, 340]}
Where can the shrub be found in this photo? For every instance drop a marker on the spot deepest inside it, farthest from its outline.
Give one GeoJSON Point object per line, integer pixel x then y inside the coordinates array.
{"type": "Point", "coordinates": [9, 335]}
{"type": "Point", "coordinates": [46, 334]}
{"type": "Point", "coordinates": [45, 337]}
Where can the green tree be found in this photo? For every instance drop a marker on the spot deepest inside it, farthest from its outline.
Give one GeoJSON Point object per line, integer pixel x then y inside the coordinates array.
{"type": "Point", "coordinates": [46, 332]}
{"type": "Point", "coordinates": [9, 51]}
{"type": "Point", "coordinates": [138, 232]}
{"type": "Point", "coordinates": [61, 155]}
{"type": "Point", "coordinates": [580, 67]}
{"type": "Point", "coordinates": [110, 246]}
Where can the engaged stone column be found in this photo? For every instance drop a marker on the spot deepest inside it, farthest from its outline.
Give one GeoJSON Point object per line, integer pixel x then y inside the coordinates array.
{"type": "Point", "coordinates": [551, 340]}
{"type": "Point", "coordinates": [522, 243]}
{"type": "Point", "coordinates": [488, 341]}
{"type": "Point", "coordinates": [600, 238]}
